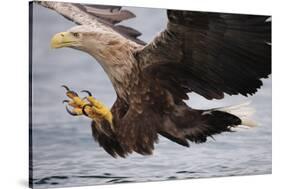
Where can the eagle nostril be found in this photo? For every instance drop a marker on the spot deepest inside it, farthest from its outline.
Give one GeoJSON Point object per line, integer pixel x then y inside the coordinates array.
{"type": "Point", "coordinates": [62, 34]}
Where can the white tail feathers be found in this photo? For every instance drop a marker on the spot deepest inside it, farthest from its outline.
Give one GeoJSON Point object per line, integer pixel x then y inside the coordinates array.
{"type": "Point", "coordinates": [244, 111]}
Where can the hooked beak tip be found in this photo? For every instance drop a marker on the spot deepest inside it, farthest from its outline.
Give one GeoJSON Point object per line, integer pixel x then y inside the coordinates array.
{"type": "Point", "coordinates": [59, 40]}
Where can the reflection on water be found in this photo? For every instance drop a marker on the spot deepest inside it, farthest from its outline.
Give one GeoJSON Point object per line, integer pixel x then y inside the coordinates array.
{"type": "Point", "coordinates": [64, 153]}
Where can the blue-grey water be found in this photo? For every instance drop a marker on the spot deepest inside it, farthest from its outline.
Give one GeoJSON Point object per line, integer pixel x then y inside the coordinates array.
{"type": "Point", "coordinates": [64, 153]}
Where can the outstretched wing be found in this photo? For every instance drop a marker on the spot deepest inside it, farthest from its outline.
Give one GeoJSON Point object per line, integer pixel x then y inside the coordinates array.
{"type": "Point", "coordinates": [210, 54]}
{"type": "Point", "coordinates": [96, 15]}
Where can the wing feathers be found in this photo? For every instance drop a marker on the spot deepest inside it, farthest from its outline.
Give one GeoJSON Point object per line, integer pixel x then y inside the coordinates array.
{"type": "Point", "coordinates": [112, 16]}
{"type": "Point", "coordinates": [130, 33]}
{"type": "Point", "coordinates": [109, 7]}
{"type": "Point", "coordinates": [211, 53]}
{"type": "Point", "coordinates": [100, 15]}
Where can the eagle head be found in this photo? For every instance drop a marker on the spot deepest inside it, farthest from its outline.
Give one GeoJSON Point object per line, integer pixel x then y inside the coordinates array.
{"type": "Point", "coordinates": [91, 39]}
{"type": "Point", "coordinates": [113, 51]}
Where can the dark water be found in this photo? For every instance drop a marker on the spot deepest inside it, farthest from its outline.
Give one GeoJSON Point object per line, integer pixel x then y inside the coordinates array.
{"type": "Point", "coordinates": [64, 153]}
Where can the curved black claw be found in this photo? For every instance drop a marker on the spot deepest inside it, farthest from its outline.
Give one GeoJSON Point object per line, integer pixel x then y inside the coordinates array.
{"type": "Point", "coordinates": [83, 109]}
{"type": "Point", "coordinates": [66, 87]}
{"type": "Point", "coordinates": [69, 91]}
{"type": "Point", "coordinates": [70, 112]}
{"type": "Point", "coordinates": [65, 101]}
{"type": "Point", "coordinates": [86, 91]}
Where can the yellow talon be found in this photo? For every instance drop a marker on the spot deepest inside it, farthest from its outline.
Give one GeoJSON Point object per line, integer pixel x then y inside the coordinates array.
{"type": "Point", "coordinates": [78, 111]}
{"type": "Point", "coordinates": [95, 102]}
{"type": "Point", "coordinates": [103, 113]}
{"type": "Point", "coordinates": [75, 111]}
{"type": "Point", "coordinates": [100, 109]}
{"type": "Point", "coordinates": [89, 107]}
{"type": "Point", "coordinates": [78, 101]}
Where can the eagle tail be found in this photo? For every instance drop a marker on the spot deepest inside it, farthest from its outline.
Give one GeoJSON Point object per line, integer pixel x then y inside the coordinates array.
{"type": "Point", "coordinates": [243, 111]}
{"type": "Point", "coordinates": [218, 120]}
{"type": "Point", "coordinates": [197, 125]}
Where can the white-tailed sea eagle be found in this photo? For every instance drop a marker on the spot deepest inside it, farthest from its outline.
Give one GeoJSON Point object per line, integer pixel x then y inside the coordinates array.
{"type": "Point", "coordinates": [211, 54]}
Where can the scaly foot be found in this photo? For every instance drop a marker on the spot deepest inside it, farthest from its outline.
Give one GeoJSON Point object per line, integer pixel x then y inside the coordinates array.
{"type": "Point", "coordinates": [88, 106]}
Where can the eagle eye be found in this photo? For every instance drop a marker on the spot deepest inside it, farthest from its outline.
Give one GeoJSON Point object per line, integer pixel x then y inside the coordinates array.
{"type": "Point", "coordinates": [75, 34]}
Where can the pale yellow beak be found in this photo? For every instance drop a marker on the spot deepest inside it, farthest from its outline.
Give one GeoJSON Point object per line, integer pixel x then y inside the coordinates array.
{"type": "Point", "coordinates": [63, 39]}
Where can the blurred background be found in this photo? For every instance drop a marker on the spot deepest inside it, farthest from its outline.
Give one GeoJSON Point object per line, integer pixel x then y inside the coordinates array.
{"type": "Point", "coordinates": [64, 153]}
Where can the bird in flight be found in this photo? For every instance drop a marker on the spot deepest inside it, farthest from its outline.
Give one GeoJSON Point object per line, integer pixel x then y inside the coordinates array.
{"type": "Point", "coordinates": [211, 54]}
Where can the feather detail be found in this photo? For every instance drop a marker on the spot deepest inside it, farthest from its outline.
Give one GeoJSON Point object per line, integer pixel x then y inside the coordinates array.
{"type": "Point", "coordinates": [244, 111]}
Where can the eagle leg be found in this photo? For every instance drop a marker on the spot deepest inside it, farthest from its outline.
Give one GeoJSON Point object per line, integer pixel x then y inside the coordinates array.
{"type": "Point", "coordinates": [95, 109]}
{"type": "Point", "coordinates": [97, 113]}
{"type": "Point", "coordinates": [88, 106]}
